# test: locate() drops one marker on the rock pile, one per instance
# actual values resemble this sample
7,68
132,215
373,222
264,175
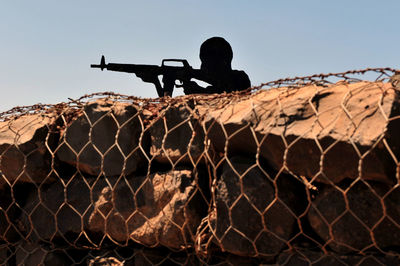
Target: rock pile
250,175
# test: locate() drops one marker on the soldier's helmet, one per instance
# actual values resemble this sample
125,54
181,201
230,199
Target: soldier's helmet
216,49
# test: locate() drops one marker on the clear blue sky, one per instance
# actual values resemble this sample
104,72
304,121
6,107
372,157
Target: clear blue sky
47,46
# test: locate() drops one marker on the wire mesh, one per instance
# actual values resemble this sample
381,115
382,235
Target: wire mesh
296,171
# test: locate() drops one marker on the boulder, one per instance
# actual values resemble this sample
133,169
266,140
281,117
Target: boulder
32,254
61,210
308,257
387,233
162,256
177,137
154,256
249,220
323,133
363,223
106,261
106,138
5,253
5,223
162,209
24,155
11,200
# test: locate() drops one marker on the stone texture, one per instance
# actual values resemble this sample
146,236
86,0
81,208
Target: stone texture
5,224
106,138
248,221
33,254
177,137
11,201
163,209
24,156
349,229
109,261
387,233
5,253
157,256
332,125
307,257
61,209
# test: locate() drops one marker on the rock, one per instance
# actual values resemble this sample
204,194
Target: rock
32,254
395,80
349,229
162,256
111,256
109,261
11,200
177,137
248,220
5,224
158,256
5,254
307,257
162,209
387,233
24,156
61,210
154,256
106,138
340,127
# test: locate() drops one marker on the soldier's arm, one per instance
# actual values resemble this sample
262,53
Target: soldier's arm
191,87
238,81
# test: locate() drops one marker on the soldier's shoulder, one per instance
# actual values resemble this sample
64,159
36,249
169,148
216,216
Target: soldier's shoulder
241,78
239,72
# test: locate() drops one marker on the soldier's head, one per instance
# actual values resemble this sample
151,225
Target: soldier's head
216,55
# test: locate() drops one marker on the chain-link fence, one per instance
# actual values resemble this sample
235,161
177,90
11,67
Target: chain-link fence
301,171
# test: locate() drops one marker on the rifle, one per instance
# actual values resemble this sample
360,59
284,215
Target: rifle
150,73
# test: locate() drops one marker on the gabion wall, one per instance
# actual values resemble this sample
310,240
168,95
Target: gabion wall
301,171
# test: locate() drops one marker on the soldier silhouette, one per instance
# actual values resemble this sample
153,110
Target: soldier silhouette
216,57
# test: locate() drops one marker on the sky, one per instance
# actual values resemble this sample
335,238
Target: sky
47,46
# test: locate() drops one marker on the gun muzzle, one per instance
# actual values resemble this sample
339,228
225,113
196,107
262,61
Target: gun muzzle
102,64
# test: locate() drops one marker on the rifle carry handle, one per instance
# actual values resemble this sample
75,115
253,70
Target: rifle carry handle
185,65
183,61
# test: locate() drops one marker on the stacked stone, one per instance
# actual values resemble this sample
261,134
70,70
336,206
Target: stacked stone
251,176
87,180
